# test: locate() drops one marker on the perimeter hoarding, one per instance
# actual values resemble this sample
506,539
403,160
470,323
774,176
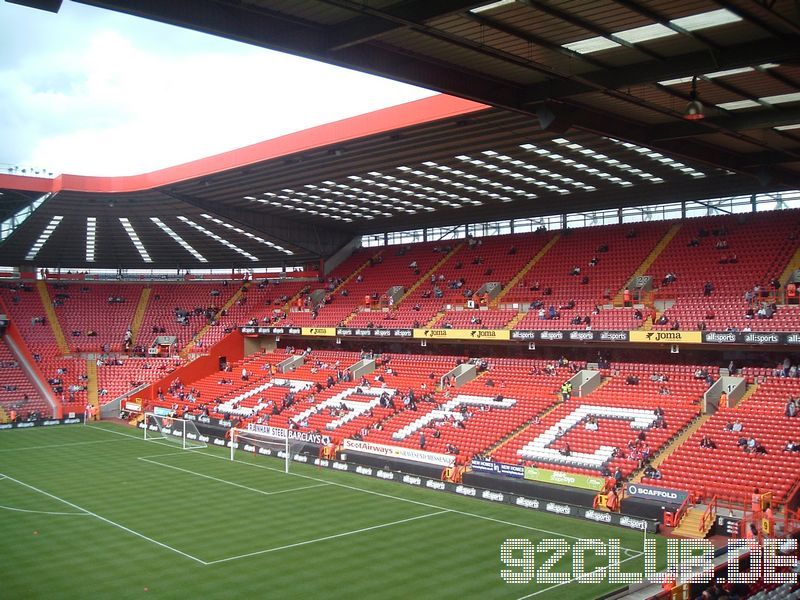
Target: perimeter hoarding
585,482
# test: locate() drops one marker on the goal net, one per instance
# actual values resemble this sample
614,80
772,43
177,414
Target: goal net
173,430
286,445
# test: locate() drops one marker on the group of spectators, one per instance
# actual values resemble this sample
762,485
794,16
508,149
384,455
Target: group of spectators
786,369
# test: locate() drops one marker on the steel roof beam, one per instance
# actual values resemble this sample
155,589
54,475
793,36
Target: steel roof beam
376,22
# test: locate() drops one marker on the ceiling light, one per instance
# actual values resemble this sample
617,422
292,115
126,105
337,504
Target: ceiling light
91,231
653,31
137,243
781,98
174,236
737,104
694,110
491,6
219,239
44,236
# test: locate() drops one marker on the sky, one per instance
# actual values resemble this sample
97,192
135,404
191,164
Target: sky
90,91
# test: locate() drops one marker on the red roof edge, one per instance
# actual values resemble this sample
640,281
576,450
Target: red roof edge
409,114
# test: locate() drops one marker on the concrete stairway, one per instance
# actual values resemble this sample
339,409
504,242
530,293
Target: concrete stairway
138,315
231,301
660,456
513,322
752,388
510,436
690,525
528,266
427,276
92,386
52,319
355,273
650,258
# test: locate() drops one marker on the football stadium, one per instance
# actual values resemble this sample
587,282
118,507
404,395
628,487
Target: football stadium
535,336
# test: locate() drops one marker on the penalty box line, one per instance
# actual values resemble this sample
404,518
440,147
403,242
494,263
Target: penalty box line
108,521
573,580
265,493
632,552
225,481
327,537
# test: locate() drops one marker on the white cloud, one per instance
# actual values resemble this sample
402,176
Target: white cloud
115,100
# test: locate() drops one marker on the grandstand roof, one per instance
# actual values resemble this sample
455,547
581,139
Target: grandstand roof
602,84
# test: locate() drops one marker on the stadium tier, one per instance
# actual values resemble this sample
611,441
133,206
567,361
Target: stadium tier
94,316
589,264
727,464
182,310
17,393
121,374
505,410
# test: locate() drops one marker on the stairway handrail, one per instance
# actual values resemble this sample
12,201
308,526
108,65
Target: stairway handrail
709,513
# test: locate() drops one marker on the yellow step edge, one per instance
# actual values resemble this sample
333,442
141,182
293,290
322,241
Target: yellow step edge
689,525
185,352
355,273
138,315
524,271
52,318
659,458
650,259
522,428
515,320
427,275
92,386
435,318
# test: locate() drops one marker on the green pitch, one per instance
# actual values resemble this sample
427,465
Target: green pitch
91,512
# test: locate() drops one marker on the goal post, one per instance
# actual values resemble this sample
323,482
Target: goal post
176,431
276,443
284,444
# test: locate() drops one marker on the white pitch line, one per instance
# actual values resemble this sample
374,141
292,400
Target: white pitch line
138,437
547,589
105,520
164,454
327,537
43,512
401,499
58,445
234,484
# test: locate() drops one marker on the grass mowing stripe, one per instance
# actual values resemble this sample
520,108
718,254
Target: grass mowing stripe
327,537
48,446
109,521
231,483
